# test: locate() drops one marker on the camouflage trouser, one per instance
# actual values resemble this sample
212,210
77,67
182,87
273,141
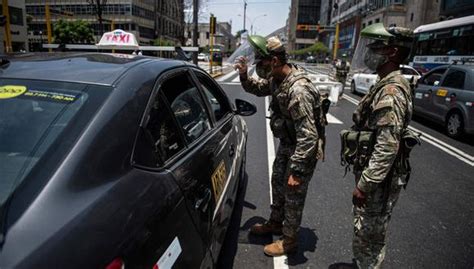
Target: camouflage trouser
288,203
370,227
342,79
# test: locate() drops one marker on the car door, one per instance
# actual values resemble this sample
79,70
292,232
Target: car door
425,91
227,148
451,88
171,237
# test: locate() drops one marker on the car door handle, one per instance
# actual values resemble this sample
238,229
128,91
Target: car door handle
203,202
232,150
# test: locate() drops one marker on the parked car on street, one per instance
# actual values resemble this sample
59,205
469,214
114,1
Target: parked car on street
363,82
115,161
446,95
202,57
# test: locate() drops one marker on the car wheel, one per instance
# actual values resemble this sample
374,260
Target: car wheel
454,124
353,87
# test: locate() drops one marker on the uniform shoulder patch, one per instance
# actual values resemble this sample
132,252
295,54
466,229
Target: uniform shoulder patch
391,90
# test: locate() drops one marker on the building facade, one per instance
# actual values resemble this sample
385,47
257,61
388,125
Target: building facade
18,27
148,20
223,39
354,15
455,8
303,24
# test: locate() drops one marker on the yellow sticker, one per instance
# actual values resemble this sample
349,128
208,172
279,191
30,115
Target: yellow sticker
11,91
442,92
218,180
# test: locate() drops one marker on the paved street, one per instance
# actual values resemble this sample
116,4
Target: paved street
432,226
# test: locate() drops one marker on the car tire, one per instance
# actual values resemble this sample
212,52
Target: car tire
353,87
454,124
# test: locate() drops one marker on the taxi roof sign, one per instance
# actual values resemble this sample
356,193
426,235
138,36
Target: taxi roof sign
118,39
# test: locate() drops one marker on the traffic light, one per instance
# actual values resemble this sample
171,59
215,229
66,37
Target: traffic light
3,20
212,25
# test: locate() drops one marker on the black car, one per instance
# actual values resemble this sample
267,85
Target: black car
115,161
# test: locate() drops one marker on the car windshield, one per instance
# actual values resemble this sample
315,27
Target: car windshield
34,114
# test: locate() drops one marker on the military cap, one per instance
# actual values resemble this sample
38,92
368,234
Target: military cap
391,36
266,48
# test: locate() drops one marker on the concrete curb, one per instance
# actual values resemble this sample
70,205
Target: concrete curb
218,74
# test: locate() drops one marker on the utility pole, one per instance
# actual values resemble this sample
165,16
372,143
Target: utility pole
195,30
245,12
48,25
336,36
8,34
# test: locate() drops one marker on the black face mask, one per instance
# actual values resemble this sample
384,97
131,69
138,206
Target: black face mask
264,70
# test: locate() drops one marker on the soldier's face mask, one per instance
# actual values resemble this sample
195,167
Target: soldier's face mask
264,69
367,57
374,60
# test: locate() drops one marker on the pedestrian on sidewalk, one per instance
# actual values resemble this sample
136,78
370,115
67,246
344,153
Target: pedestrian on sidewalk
298,120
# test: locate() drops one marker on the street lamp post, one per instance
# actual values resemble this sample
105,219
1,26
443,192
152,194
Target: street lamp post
251,24
252,20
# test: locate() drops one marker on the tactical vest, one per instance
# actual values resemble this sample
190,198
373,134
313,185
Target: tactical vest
282,124
358,143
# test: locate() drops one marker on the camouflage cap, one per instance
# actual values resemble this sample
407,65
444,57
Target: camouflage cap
274,45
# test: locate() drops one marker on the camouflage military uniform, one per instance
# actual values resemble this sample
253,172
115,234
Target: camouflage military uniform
342,68
297,99
389,114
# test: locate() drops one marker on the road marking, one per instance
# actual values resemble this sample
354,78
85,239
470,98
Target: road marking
278,262
332,119
227,76
455,152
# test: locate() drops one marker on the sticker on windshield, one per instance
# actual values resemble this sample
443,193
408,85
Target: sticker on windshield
218,180
51,96
11,91
442,92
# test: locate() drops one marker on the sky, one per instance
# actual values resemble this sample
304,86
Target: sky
276,12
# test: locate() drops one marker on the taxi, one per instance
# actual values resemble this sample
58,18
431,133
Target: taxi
115,161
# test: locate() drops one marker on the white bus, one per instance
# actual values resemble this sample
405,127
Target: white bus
442,43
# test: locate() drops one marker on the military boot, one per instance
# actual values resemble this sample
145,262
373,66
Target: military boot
268,227
281,247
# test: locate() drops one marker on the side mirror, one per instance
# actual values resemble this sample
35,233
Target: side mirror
245,108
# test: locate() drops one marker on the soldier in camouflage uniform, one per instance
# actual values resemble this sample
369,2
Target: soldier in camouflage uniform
342,69
295,101
386,110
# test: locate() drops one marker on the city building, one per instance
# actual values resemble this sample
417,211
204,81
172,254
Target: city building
223,39
303,23
149,20
325,20
354,15
18,27
455,8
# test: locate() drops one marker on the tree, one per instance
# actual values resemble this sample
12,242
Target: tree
317,47
98,6
71,32
188,15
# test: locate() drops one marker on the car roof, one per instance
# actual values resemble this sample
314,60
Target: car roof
91,68
467,67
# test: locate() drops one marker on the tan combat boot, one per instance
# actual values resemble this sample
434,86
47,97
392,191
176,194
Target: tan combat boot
268,227
281,247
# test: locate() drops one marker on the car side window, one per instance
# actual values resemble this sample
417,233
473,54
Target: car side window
454,79
218,101
187,106
434,76
408,71
159,139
